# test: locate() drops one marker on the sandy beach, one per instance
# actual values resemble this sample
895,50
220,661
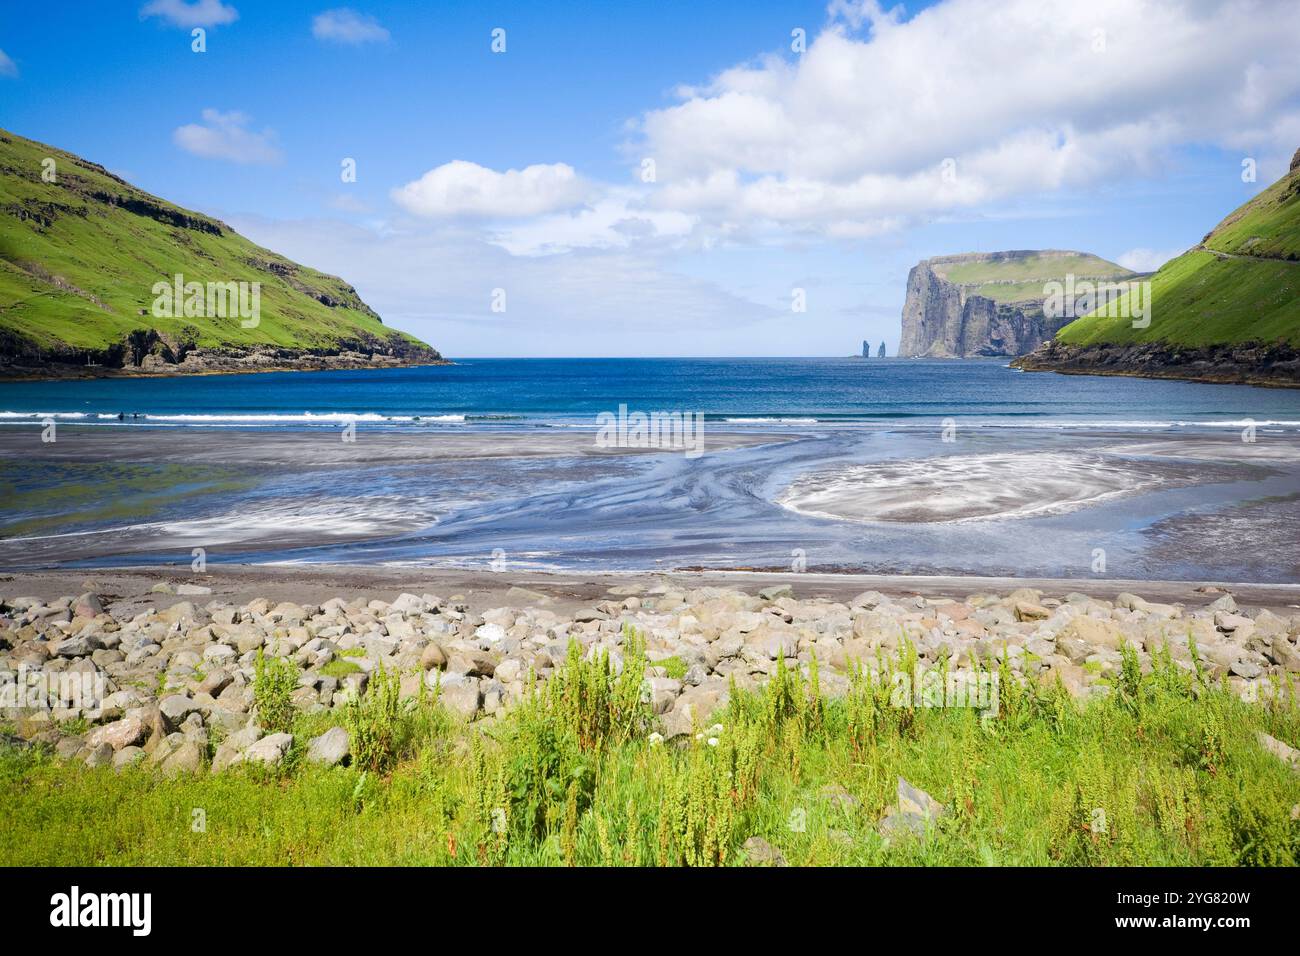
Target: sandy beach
1091,504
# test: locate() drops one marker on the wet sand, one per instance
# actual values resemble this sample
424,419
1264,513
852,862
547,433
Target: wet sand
999,502
320,447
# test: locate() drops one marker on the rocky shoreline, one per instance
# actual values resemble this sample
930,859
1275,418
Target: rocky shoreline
1276,366
166,677
164,362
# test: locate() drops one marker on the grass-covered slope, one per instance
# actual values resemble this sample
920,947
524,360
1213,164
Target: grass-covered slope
1240,285
1019,276
79,257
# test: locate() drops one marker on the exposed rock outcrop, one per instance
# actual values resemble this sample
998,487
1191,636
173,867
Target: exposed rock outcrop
1276,365
985,304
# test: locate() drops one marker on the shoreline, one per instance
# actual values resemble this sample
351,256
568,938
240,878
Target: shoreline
1263,366
311,582
76,373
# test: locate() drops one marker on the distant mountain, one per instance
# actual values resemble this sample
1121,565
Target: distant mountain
1227,310
89,269
989,303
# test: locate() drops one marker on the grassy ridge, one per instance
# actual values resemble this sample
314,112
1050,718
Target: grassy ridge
1020,278
1240,285
79,258
1165,769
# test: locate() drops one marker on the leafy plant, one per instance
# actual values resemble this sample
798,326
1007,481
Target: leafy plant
274,681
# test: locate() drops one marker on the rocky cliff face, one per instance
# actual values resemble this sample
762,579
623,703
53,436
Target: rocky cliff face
987,304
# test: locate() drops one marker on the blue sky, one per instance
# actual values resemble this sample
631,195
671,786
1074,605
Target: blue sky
775,169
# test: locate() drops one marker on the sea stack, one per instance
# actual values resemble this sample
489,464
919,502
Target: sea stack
866,349
881,353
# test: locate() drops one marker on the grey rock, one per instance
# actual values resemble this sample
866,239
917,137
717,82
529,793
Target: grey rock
83,645
268,751
127,757
330,748
184,758
462,698
915,812
758,852
100,756
176,708
1283,752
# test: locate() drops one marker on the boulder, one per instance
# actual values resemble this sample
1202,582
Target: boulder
268,751
330,748
127,732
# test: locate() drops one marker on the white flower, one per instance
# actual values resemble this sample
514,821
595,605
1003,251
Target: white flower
713,741
715,729
699,736
656,739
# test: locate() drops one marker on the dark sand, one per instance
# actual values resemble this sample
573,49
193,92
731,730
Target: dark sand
485,589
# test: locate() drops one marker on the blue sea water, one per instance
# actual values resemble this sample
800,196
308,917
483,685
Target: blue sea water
883,466
574,391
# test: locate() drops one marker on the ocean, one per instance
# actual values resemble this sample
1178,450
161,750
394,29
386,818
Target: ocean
573,391
818,464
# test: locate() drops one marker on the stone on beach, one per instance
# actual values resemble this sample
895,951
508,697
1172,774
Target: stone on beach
175,681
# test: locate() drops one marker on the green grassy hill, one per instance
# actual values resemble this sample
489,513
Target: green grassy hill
79,258
1019,276
1239,286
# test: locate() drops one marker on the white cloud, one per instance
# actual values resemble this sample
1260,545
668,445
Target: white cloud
464,189
852,136
616,220
198,13
1147,260
437,282
345,25
227,136
7,66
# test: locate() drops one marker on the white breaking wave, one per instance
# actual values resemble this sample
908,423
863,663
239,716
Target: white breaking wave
269,418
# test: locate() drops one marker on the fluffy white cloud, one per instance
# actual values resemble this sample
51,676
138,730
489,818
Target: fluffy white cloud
884,120
345,25
617,220
198,13
464,189
227,136
7,66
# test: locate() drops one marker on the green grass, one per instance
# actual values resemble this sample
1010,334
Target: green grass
339,668
1251,294
1021,278
1167,762
79,258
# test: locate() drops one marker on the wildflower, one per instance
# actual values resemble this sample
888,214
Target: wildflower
699,736
713,741
656,739
715,729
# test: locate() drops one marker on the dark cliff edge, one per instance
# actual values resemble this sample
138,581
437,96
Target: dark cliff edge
1275,366
987,305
